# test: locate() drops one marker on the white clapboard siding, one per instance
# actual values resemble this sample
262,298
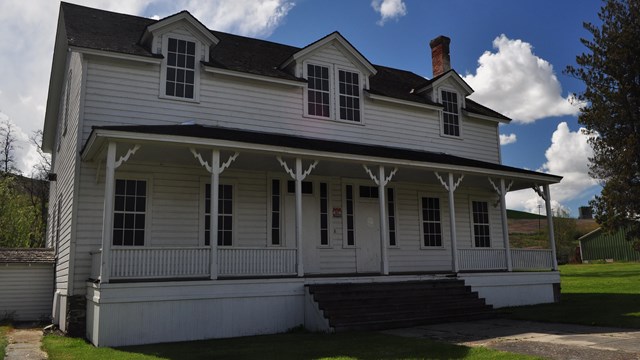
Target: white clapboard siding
121,93
64,160
26,291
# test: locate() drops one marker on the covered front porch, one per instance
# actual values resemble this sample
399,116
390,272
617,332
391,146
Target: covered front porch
297,208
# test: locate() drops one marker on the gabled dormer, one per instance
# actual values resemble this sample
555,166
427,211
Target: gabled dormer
446,88
184,42
336,74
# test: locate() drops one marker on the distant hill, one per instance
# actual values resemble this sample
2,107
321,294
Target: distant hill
521,215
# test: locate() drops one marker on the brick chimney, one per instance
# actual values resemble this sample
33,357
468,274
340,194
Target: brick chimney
440,59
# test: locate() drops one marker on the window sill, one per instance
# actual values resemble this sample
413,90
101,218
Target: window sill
451,137
360,123
195,100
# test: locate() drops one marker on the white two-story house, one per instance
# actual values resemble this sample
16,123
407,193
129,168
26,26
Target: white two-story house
205,181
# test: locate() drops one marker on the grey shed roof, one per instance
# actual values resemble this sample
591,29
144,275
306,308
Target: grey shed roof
26,256
108,31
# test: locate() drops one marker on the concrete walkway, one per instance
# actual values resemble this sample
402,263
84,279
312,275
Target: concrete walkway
24,343
548,340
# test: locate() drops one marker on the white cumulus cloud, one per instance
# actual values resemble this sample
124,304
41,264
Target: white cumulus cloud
27,31
508,139
519,84
389,9
568,156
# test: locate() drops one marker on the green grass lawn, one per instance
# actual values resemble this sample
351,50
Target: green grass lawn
4,330
592,294
357,345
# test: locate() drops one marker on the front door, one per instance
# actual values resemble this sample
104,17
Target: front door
368,236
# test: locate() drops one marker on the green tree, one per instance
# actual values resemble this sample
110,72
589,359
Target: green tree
17,228
610,70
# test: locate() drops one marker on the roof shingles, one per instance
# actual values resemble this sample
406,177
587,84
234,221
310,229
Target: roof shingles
26,256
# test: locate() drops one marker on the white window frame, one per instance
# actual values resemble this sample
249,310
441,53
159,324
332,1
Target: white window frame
283,190
234,208
421,219
163,68
441,112
395,218
345,223
329,215
148,240
473,235
334,93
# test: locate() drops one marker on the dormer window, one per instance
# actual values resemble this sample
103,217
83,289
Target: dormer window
318,90
180,71
333,93
349,87
450,113
181,60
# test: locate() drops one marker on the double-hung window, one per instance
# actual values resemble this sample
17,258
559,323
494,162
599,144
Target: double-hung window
180,72
225,215
450,113
129,215
481,235
333,93
318,93
431,227
349,95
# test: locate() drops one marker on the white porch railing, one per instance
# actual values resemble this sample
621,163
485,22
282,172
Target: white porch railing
159,262
482,259
245,261
532,259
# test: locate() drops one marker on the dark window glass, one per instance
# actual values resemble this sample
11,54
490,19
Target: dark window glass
350,222
318,90
450,115
324,214
370,192
391,214
481,234
129,212
180,72
307,187
225,215
431,229
349,94
275,212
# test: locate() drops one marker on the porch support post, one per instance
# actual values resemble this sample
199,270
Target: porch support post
384,261
552,239
298,180
298,175
452,220
213,237
107,216
505,224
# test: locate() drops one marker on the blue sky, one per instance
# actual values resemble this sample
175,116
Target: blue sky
526,45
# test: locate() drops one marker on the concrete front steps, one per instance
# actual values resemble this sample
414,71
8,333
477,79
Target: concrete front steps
376,306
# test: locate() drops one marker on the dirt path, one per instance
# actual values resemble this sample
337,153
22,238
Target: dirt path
24,343
548,340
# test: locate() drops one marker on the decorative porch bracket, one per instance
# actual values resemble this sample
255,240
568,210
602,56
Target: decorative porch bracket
107,217
215,169
123,159
502,192
545,194
451,186
381,180
298,176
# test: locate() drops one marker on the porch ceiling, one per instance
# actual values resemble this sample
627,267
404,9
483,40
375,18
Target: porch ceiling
261,156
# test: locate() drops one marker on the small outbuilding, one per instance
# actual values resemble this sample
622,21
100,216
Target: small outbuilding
26,284
600,245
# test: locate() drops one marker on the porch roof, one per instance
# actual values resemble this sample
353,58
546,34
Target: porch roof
227,138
